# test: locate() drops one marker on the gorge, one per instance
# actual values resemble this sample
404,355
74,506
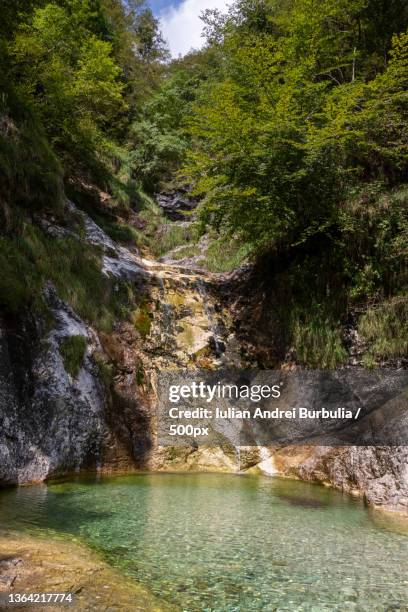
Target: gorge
221,235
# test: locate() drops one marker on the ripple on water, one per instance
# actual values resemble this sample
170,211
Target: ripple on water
228,543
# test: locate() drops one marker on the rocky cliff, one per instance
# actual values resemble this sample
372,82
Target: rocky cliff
56,420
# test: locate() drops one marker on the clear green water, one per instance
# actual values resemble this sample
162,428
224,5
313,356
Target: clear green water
227,543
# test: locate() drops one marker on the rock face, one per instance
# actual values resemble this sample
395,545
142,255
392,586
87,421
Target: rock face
50,422
175,203
53,422
379,474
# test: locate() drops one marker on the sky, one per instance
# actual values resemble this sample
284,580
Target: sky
180,22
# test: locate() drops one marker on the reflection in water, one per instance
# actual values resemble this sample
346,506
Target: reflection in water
225,542
23,505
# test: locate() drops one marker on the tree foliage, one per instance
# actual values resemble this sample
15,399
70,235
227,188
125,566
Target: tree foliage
298,147
69,75
83,68
305,105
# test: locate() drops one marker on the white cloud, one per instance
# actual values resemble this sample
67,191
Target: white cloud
181,25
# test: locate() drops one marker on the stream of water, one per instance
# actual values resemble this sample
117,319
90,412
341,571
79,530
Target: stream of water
225,543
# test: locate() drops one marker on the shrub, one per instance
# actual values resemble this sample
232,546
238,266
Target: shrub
30,174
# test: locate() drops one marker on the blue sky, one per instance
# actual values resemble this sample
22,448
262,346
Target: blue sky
158,5
180,22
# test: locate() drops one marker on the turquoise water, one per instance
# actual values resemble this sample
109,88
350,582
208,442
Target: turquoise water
227,543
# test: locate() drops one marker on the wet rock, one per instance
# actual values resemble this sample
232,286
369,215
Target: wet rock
51,422
93,233
55,230
123,268
9,562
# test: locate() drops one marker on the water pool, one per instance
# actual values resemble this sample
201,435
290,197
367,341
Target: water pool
224,543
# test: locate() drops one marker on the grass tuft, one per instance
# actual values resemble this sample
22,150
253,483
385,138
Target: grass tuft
74,268
317,343
106,370
186,252
170,236
142,321
225,255
385,327
72,350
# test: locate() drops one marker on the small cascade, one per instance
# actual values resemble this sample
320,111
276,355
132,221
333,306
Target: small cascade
267,464
162,333
238,454
209,312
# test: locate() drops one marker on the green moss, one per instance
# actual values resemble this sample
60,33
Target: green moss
72,350
140,377
106,370
175,298
142,321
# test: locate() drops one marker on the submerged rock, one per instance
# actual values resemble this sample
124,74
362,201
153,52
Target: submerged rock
32,565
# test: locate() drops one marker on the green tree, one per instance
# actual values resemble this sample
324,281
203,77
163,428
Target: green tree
293,116
69,75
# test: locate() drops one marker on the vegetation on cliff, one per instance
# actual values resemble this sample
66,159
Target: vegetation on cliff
74,76
290,126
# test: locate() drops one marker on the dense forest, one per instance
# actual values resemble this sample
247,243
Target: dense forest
289,127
